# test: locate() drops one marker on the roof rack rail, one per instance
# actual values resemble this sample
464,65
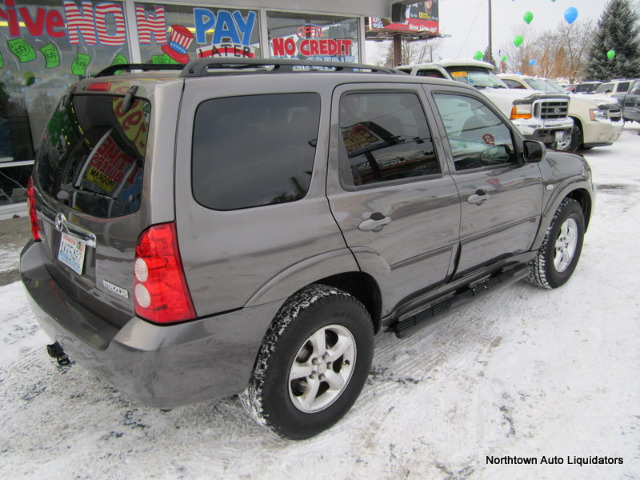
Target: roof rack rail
145,67
202,67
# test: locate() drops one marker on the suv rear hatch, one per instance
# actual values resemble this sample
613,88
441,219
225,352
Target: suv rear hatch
88,183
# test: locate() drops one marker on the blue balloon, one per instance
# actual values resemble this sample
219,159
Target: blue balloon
532,62
571,14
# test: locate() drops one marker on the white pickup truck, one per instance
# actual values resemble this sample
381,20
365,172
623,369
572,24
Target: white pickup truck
539,116
597,119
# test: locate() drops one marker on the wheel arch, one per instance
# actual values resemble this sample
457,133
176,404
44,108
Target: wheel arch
583,197
578,122
363,287
336,269
580,195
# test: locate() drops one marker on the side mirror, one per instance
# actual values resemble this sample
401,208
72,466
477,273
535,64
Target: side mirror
534,151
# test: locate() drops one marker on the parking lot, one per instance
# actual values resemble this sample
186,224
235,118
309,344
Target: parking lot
520,374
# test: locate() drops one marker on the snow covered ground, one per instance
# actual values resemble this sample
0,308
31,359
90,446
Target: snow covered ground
521,374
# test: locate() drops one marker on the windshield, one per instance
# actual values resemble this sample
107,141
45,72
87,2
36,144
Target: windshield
538,84
476,77
553,86
545,85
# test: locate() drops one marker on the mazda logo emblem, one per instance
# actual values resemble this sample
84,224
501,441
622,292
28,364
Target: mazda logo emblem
60,221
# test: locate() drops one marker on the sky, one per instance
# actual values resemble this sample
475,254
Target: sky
465,23
469,31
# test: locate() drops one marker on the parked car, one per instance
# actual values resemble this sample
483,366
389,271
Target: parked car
614,87
585,87
538,115
630,102
246,226
597,120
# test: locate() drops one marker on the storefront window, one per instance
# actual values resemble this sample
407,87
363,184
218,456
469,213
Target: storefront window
178,34
48,45
312,37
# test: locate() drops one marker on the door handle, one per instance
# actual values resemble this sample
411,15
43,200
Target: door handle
374,223
478,198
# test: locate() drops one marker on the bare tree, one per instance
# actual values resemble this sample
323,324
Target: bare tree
559,53
416,51
576,40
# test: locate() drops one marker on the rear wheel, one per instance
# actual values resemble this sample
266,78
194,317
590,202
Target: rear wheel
312,364
558,256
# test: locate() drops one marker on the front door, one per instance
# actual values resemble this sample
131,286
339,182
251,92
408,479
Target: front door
501,197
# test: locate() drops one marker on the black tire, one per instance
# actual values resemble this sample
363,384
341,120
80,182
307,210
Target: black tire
328,379
558,256
573,143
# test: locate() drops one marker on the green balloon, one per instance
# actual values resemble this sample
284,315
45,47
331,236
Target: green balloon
528,16
503,58
478,55
517,40
611,54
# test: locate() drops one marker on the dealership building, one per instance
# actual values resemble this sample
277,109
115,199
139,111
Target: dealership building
46,45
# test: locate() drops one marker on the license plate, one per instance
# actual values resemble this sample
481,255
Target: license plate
559,136
71,253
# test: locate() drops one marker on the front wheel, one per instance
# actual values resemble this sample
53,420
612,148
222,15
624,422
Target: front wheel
312,364
558,256
572,142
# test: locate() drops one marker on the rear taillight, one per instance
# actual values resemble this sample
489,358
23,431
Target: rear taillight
33,216
160,290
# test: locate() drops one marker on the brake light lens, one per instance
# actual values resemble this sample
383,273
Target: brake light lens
99,87
33,216
160,289
521,111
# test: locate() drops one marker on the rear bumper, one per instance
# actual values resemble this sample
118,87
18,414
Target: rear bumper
161,366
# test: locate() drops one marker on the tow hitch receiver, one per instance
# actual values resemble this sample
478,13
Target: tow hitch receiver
55,350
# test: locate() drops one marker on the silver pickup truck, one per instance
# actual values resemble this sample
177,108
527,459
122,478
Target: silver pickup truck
538,115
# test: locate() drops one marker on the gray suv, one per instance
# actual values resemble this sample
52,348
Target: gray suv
247,226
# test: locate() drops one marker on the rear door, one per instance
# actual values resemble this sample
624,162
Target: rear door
391,194
88,174
501,197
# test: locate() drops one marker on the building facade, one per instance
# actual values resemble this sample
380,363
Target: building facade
46,45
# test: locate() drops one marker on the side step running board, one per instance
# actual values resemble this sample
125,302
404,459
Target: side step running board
428,316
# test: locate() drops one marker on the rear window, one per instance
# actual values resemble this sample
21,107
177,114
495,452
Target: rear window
91,155
254,150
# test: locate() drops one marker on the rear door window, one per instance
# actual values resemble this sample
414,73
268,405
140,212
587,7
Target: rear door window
605,88
92,154
623,87
430,73
254,150
385,137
